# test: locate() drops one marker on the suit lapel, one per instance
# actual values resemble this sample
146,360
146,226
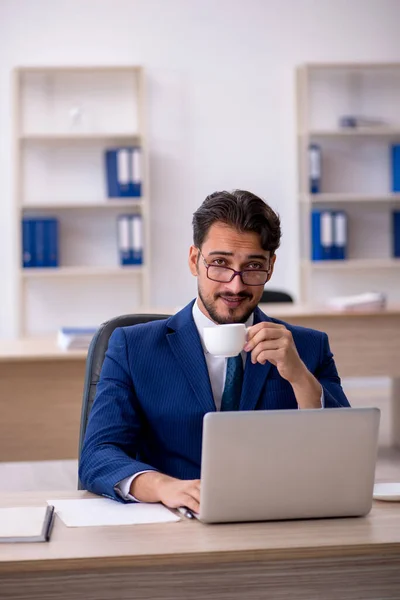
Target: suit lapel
185,343
253,382
254,375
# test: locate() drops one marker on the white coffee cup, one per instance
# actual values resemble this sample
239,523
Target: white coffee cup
225,340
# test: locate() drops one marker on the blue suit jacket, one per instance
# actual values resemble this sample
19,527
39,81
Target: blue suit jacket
154,391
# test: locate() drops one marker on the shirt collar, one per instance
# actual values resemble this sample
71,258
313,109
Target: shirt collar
201,321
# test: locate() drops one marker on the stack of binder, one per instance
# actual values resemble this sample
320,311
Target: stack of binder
315,165
396,233
396,189
365,301
124,172
328,235
396,168
40,242
130,239
75,338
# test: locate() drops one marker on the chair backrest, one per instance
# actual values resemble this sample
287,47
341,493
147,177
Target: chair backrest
275,296
94,362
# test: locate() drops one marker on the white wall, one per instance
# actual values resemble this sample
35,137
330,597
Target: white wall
221,101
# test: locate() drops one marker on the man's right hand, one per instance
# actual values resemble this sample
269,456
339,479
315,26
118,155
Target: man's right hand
156,487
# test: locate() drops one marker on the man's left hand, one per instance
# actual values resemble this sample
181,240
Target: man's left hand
274,343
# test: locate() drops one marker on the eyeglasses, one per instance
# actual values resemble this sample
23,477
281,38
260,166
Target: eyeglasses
226,274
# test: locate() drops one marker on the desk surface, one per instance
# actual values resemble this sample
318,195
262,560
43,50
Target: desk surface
45,348
287,309
189,541
36,349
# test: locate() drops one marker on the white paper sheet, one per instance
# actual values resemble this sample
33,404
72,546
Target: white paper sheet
101,511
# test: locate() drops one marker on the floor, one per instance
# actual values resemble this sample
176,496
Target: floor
62,475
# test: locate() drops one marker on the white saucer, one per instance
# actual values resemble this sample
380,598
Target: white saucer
387,491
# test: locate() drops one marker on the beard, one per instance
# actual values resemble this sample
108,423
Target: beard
234,314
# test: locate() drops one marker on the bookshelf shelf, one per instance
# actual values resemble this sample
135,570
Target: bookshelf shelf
108,204
350,198
376,132
79,137
356,176
58,272
65,120
349,67
81,69
353,264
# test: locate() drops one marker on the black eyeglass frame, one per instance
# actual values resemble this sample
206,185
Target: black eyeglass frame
234,273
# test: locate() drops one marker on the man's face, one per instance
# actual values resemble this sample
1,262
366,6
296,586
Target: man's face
231,302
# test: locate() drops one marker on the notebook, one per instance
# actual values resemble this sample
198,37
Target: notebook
26,524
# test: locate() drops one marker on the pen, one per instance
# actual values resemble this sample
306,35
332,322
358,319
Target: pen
185,512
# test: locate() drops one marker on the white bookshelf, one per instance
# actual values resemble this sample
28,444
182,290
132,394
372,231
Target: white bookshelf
65,119
356,174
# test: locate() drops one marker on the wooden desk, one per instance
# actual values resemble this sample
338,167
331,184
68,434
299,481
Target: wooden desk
41,386
40,400
307,560
364,344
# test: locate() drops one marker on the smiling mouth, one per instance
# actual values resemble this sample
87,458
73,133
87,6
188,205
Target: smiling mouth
233,301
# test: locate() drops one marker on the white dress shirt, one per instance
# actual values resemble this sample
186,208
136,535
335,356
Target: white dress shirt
216,366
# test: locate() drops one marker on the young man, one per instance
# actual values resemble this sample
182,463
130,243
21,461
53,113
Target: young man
143,439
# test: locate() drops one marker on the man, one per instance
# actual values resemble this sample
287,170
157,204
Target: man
143,440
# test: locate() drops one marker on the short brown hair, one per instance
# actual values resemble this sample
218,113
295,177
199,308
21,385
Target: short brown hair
241,210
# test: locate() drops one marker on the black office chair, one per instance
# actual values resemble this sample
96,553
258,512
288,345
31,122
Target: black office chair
275,296
94,362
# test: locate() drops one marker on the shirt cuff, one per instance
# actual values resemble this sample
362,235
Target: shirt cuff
122,487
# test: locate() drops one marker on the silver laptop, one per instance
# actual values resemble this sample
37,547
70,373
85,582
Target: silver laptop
288,464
